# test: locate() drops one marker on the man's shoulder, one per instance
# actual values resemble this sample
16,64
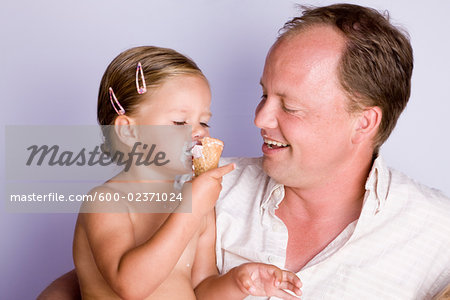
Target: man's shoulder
413,188
245,181
420,215
429,200
247,168
242,162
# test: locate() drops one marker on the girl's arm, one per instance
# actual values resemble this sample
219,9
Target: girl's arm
255,279
205,277
136,271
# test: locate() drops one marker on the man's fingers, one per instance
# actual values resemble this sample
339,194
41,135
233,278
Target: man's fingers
219,172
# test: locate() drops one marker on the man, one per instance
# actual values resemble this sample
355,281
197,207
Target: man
321,202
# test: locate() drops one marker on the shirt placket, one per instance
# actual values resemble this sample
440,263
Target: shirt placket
275,230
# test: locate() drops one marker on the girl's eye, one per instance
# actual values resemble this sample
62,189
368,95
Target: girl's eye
179,123
204,125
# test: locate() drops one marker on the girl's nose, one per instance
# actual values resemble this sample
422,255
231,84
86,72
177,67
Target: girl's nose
199,132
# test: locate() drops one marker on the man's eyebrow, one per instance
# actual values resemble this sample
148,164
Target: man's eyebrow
281,95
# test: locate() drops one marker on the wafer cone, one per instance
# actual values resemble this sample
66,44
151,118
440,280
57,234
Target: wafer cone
444,295
212,149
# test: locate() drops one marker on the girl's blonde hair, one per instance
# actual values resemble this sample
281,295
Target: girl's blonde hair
158,64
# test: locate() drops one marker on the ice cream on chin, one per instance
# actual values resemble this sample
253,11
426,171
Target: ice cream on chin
206,156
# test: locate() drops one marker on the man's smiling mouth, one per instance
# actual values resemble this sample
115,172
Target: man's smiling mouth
271,144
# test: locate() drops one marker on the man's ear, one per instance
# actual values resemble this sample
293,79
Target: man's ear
367,123
126,130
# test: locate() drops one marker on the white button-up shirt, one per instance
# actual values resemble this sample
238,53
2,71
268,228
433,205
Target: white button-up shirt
399,248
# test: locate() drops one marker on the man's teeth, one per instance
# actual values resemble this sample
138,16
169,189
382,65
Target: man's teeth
273,143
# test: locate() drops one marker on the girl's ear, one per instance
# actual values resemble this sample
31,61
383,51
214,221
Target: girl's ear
367,123
126,130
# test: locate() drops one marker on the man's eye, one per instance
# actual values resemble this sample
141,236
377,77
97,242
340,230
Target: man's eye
288,110
204,124
179,123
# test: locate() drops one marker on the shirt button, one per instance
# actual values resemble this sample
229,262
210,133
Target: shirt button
277,192
270,258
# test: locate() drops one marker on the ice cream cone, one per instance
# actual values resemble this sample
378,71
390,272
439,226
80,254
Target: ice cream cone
208,157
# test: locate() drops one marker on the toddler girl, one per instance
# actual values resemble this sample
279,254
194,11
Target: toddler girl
162,254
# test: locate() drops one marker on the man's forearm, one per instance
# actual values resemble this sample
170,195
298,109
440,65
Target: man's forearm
65,287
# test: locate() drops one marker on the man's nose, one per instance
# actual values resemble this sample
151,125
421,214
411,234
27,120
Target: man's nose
266,114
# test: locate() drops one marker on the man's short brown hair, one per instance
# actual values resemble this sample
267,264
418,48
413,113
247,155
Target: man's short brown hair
377,63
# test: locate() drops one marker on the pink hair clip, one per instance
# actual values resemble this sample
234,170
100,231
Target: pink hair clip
140,71
112,96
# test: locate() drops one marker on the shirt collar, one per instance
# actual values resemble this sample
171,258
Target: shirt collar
378,182
273,194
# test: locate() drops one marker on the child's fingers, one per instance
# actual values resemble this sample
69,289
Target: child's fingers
285,285
277,274
285,295
219,172
284,276
292,278
291,282
246,282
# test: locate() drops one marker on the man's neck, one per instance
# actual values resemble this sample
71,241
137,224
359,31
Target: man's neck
339,197
316,216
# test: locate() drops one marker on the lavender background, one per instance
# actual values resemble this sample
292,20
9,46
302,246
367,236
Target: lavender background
53,54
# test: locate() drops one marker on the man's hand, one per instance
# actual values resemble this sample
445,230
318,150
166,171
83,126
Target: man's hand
259,279
64,287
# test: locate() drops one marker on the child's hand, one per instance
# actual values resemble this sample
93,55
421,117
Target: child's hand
206,188
258,279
